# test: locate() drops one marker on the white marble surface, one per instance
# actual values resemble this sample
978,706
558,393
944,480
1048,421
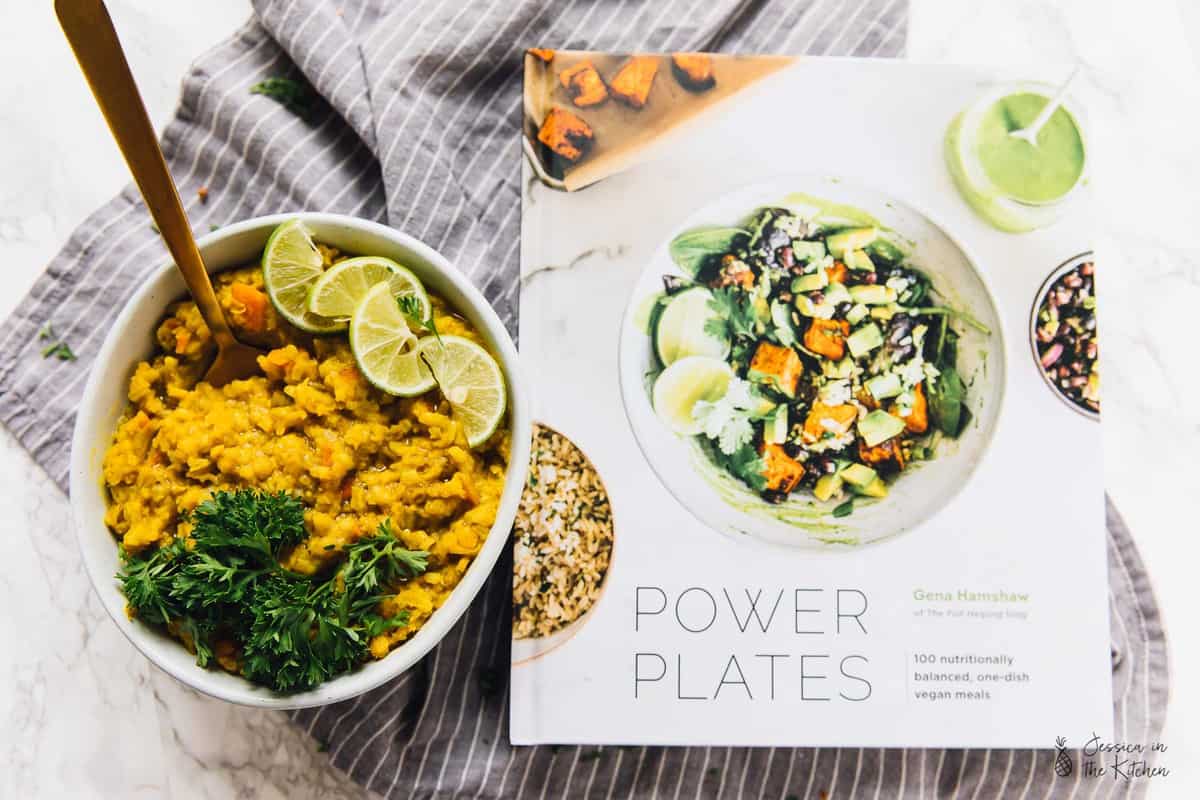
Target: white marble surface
88,717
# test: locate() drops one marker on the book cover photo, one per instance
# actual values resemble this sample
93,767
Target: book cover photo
818,456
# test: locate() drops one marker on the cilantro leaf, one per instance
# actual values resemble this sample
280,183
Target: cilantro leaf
736,313
727,420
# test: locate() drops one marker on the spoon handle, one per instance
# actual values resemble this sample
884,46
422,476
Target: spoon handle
90,32
1048,110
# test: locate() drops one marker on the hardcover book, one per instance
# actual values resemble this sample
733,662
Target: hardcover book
818,459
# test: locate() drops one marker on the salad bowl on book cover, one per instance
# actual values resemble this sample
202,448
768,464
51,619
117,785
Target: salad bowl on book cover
813,363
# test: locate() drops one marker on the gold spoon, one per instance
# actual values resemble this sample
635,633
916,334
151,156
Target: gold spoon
90,32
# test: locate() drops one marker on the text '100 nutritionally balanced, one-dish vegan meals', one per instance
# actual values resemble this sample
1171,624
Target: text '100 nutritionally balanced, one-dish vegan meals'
291,526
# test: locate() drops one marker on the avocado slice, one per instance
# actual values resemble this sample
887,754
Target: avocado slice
879,426
857,313
810,283
850,239
807,251
872,294
837,293
775,426
858,475
808,308
884,386
864,340
876,488
827,486
859,261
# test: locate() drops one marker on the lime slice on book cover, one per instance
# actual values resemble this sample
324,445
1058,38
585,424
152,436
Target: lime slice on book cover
384,345
291,263
471,380
685,383
337,292
683,328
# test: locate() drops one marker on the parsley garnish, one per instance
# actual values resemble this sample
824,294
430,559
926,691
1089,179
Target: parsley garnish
292,94
57,347
225,582
410,307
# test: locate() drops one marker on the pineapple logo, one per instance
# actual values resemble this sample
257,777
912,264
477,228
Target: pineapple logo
1062,762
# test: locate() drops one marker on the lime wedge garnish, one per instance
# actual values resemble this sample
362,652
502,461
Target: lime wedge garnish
470,380
685,383
385,346
342,287
291,263
683,329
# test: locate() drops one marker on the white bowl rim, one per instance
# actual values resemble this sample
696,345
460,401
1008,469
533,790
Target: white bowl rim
355,683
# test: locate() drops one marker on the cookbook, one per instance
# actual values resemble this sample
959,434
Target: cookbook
818,459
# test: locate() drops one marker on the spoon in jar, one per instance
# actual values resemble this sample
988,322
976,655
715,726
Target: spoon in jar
90,32
1030,132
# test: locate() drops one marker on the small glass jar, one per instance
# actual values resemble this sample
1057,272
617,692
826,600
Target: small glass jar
1001,208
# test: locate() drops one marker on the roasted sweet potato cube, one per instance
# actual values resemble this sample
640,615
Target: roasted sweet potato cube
734,272
694,71
778,366
886,454
566,134
584,84
631,85
827,337
917,420
833,420
837,273
543,54
782,472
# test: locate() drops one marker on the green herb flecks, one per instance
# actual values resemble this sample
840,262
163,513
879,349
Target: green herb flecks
292,94
736,318
225,582
57,347
410,307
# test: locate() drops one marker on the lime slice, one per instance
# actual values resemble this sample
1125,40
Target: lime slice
385,347
290,263
342,287
685,383
470,380
682,328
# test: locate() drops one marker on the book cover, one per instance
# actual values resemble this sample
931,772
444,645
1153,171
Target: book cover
818,460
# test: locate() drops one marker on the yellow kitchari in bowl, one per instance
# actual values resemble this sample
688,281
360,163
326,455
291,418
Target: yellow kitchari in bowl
295,524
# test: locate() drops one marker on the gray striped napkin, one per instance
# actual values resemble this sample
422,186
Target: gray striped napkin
416,124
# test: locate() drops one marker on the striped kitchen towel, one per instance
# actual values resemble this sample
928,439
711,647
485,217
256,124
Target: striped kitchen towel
414,121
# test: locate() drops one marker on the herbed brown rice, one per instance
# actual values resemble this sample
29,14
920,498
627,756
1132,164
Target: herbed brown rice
563,538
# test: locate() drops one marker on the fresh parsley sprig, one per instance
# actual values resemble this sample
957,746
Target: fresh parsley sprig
410,307
292,94
225,582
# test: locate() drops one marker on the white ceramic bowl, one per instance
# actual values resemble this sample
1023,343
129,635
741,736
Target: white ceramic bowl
131,340
724,503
